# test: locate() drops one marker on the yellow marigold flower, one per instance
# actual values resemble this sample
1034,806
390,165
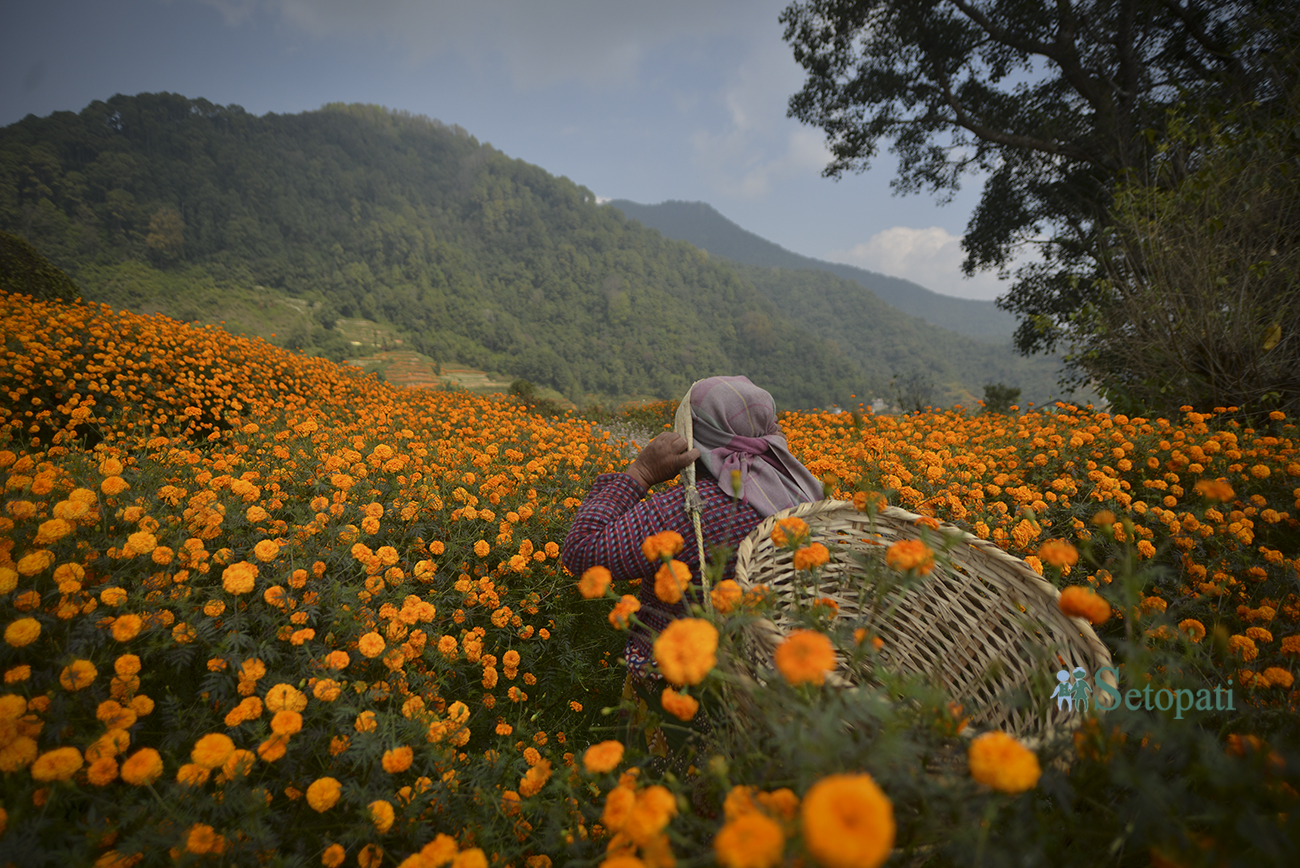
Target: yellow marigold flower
212,750
283,697
286,722
671,580
811,556
602,757
620,615
805,656
398,759
266,551
323,794
594,583
1243,646
1000,761
789,531
1193,628
381,814
35,562
77,674
1078,601
1058,553
371,645
333,856
481,548
848,822
365,722
57,765
327,690
686,650
52,531
662,545
238,578
126,627
142,767
750,841
726,596
679,705
22,632
910,554
114,485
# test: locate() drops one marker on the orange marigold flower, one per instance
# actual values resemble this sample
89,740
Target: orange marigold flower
22,632
686,650
239,578
212,750
398,759
1058,553
1214,489
57,765
381,814
482,547
77,674
1243,646
286,722
1291,645
333,856
1193,628
1078,601
811,556
371,645
752,840
102,771
594,583
620,615
679,705
1000,761
1276,676
789,531
662,545
602,757
671,580
323,794
114,485
726,596
848,822
126,627
143,767
285,696
805,656
910,554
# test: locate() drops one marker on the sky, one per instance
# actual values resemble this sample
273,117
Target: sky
647,101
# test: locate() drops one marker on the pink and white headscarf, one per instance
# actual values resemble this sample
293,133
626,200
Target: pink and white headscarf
733,423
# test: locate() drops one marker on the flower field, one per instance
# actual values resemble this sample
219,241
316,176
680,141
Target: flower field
261,610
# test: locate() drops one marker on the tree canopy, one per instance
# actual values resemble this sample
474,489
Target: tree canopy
1051,103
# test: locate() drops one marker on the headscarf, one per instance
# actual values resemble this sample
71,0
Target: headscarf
733,423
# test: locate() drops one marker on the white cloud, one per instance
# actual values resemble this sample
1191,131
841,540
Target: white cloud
931,257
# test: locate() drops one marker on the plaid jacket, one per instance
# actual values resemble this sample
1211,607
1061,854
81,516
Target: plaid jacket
616,517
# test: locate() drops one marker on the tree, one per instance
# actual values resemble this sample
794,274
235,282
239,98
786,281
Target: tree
1199,303
1049,101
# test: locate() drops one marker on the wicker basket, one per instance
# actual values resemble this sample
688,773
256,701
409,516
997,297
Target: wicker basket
982,626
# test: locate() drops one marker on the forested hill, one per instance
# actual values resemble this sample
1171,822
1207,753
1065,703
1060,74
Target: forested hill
701,225
364,212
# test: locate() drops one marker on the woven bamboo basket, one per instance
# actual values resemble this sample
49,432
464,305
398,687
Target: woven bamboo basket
982,625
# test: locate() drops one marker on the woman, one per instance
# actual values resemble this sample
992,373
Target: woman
731,434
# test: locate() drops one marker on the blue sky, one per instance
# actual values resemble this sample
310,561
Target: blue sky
648,101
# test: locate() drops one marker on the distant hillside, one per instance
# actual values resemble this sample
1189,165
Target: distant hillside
701,225
159,202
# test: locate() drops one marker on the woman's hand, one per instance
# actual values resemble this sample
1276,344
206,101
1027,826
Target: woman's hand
662,459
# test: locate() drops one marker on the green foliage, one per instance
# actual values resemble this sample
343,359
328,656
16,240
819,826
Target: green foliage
400,219
25,271
999,398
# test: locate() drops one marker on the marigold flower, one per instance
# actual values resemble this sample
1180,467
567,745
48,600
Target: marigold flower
686,650
1058,553
285,696
143,767
337,660
114,485
35,562
112,596
653,808
327,690
398,759
201,838
126,627
77,674
333,856
1000,761
18,754
212,750
323,794
102,771
726,596
602,757
371,645
56,529
671,580
286,722
1278,677
679,705
750,841
662,545
1243,646
594,583
789,531
848,822
57,765
910,554
805,656
1078,601
381,814
22,632
811,556
239,578
482,547
620,615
